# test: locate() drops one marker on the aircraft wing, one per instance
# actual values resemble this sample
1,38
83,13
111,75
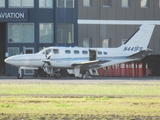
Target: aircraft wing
93,63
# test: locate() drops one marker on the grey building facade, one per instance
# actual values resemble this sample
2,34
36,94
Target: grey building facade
94,35
54,23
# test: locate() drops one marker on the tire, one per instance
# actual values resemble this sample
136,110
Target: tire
80,76
150,71
63,72
58,75
20,76
41,73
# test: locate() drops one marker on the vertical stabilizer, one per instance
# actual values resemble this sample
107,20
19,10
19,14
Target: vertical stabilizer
139,41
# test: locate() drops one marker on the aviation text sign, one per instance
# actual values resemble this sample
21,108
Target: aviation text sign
9,15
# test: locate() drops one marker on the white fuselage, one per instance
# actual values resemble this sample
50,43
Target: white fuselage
65,57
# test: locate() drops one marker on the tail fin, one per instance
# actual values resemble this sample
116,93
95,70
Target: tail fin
139,41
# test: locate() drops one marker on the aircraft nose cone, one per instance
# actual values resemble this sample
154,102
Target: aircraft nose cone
8,61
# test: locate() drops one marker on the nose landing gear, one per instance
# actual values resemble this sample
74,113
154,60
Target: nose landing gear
20,75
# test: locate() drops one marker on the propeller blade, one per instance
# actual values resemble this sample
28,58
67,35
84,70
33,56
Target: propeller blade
47,61
49,55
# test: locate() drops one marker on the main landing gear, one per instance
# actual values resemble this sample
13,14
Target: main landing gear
83,74
42,72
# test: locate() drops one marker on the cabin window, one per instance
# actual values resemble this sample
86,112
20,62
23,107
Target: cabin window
56,51
105,53
21,3
2,3
99,53
67,51
45,3
76,52
84,52
46,32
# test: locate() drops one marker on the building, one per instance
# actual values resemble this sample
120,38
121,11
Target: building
26,26
94,35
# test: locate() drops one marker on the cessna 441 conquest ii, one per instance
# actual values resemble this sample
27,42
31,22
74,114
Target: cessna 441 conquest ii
79,61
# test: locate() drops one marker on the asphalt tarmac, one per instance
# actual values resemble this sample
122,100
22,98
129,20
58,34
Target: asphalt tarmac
73,80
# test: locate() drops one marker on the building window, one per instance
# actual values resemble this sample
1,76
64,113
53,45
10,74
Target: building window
106,3
87,42
65,3
144,3
13,51
125,3
28,50
87,3
2,3
65,33
21,33
21,3
45,3
123,41
46,32
106,43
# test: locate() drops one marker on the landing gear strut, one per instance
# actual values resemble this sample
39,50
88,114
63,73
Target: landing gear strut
20,75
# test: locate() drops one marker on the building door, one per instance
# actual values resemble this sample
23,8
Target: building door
28,50
2,46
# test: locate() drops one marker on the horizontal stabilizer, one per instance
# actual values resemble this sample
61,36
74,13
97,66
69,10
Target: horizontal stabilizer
141,54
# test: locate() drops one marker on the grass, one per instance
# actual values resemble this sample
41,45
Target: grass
128,89
33,108
97,107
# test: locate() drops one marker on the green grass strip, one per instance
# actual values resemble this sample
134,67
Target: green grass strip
130,89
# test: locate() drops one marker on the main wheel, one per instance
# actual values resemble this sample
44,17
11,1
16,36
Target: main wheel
19,76
58,75
42,73
80,76
63,72
150,71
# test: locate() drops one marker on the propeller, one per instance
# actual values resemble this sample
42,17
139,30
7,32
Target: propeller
48,57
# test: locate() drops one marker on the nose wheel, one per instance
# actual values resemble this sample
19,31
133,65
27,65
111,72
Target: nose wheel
20,75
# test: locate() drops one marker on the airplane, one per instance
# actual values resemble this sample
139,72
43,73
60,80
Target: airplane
79,60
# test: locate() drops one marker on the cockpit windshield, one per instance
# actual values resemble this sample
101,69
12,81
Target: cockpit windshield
49,50
56,51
